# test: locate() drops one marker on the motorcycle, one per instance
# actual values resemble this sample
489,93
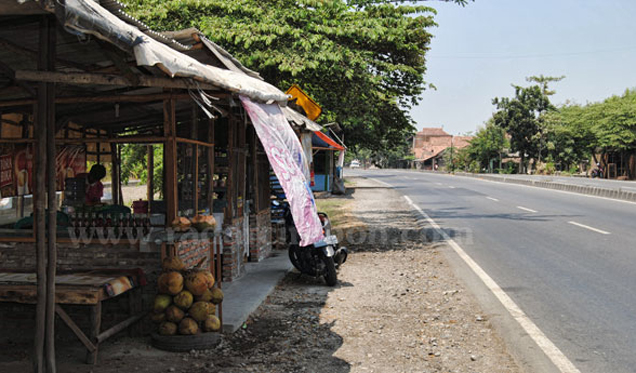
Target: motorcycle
323,258
597,172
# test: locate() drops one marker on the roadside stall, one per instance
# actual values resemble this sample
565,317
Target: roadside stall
77,81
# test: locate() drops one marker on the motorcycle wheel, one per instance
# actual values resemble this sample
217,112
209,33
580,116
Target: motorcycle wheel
331,278
293,257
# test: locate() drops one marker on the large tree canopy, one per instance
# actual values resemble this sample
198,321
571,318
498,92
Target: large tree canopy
362,61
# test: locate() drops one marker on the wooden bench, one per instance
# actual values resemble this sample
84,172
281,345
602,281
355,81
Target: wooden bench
81,288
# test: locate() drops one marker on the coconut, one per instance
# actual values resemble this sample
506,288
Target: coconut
183,300
158,317
200,310
172,263
197,282
211,324
188,326
203,222
174,314
168,328
170,283
217,296
205,297
162,302
181,224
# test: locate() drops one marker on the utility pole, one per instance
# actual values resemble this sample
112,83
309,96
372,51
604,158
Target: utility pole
452,166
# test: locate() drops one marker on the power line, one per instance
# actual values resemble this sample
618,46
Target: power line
521,56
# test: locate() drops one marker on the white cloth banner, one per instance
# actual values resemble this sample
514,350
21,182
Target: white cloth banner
287,159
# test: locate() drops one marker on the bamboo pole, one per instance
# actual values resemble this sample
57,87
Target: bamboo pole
39,195
151,174
52,200
170,159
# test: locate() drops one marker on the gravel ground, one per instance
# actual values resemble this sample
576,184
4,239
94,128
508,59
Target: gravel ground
397,308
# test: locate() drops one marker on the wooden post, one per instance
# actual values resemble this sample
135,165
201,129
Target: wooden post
96,325
120,194
170,160
151,174
114,170
211,168
44,357
195,180
195,161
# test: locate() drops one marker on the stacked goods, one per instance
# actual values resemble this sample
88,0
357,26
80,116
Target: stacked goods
187,300
199,222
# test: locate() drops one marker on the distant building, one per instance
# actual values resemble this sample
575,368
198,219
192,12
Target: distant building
430,143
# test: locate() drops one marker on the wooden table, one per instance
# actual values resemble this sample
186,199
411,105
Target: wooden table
81,288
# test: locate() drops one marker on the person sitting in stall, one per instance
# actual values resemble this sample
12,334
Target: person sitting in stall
95,188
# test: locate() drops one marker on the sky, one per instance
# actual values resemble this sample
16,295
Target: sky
479,50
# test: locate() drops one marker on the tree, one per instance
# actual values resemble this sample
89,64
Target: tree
363,61
569,135
487,145
521,117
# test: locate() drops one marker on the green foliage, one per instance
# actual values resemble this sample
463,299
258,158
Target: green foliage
521,116
613,121
569,136
485,148
134,165
362,61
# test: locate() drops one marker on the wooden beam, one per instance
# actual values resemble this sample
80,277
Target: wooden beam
76,330
105,79
17,141
7,45
195,160
118,328
115,140
51,153
150,186
194,142
39,208
115,163
103,99
96,326
170,160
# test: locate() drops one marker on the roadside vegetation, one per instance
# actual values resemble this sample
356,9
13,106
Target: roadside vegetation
528,133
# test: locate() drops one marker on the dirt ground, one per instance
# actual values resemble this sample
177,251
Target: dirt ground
397,308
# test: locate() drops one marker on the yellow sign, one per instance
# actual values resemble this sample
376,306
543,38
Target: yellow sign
312,110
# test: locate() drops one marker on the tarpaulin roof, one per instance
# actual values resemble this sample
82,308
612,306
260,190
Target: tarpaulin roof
323,141
300,120
88,17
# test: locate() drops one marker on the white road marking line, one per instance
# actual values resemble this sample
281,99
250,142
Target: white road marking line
526,209
382,182
546,345
588,227
439,183
452,187
493,199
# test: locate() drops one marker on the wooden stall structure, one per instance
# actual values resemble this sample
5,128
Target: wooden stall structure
78,74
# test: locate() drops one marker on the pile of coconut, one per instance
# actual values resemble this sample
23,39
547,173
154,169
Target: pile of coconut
187,300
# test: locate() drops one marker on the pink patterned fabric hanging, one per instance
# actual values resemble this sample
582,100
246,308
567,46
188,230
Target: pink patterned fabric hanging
286,156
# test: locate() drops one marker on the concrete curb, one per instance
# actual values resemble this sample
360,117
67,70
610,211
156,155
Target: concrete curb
245,295
581,189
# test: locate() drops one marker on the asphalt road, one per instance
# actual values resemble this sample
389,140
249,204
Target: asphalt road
568,260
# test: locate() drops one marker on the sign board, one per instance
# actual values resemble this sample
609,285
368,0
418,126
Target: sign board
312,109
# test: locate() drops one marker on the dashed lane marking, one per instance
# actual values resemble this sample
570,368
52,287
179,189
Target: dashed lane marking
526,209
588,227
